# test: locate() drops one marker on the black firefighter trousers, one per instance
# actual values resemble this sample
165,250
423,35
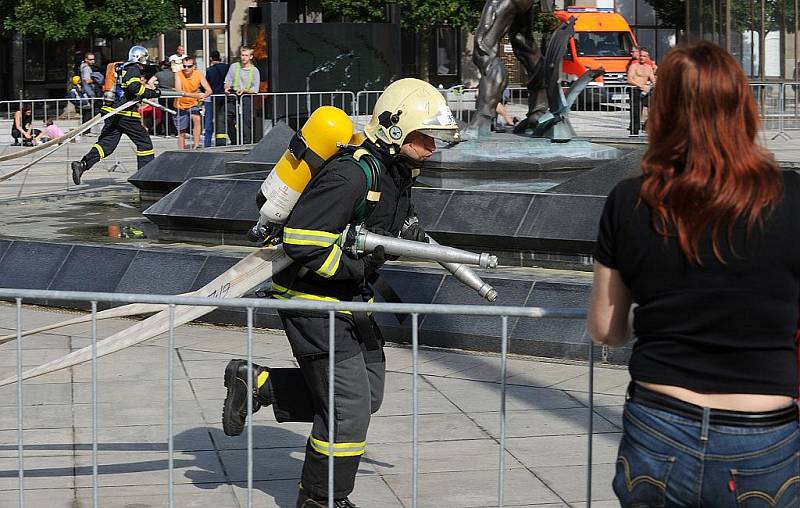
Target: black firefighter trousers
301,395
113,129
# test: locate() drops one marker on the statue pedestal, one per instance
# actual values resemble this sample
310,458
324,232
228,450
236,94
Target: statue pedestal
511,162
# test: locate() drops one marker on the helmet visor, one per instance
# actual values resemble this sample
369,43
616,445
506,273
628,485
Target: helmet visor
448,135
442,126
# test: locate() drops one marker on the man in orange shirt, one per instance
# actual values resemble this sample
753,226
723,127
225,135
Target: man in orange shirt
189,81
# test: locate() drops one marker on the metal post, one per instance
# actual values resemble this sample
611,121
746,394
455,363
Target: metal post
591,425
501,477
331,380
636,110
249,407
414,408
20,447
170,409
94,405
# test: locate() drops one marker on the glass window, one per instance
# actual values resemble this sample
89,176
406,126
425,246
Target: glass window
666,40
446,55
153,49
646,38
193,11
609,44
218,40
216,11
119,50
56,61
645,14
194,47
627,8
171,41
33,49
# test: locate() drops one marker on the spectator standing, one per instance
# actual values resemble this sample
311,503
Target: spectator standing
641,76
86,75
241,82
634,57
164,79
215,106
648,60
189,81
705,242
176,59
80,99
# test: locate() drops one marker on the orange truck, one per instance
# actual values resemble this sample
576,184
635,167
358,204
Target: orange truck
602,39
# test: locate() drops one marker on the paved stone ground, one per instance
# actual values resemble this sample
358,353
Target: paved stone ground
50,177
459,426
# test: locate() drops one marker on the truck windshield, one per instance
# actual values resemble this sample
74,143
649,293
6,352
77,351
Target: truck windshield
612,44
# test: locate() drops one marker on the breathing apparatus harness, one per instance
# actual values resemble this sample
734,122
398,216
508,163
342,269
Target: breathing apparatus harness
272,233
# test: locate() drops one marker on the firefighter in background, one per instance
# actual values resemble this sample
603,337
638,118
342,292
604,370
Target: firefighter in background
128,121
369,185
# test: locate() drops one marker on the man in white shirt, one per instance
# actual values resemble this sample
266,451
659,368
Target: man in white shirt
176,60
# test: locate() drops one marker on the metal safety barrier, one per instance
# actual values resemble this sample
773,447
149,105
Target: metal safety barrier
65,113
241,120
249,305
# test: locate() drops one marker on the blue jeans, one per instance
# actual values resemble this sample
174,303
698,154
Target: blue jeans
208,123
668,460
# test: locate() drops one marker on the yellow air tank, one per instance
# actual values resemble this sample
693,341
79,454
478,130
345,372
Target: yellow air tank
318,140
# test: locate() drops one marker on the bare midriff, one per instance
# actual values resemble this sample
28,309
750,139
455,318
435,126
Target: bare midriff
747,402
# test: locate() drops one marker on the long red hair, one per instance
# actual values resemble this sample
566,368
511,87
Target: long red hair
703,168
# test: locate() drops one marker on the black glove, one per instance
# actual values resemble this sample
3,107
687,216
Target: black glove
373,262
413,231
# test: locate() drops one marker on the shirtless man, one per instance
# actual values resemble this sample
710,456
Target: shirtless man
642,76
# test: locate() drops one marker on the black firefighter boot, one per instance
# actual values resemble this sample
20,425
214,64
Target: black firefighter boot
234,411
78,169
306,501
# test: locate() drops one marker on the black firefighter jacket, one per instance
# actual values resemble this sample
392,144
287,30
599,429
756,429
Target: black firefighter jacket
323,211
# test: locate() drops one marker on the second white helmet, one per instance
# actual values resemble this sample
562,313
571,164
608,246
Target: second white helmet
137,54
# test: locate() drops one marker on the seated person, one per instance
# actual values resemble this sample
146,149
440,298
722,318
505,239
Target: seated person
21,128
51,131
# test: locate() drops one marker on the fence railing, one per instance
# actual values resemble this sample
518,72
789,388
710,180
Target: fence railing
225,120
249,305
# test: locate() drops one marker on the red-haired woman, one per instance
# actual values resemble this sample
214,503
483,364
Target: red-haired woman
706,243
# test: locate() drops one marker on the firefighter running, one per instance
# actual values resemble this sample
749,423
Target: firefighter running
371,185
127,121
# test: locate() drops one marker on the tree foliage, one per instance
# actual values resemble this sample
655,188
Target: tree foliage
415,15
671,13
132,20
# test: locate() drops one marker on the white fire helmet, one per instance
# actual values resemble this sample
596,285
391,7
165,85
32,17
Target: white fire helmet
409,105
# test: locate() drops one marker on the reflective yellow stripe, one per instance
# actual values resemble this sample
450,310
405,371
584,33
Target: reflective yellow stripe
304,296
100,151
316,238
288,294
128,83
221,136
141,90
132,114
142,153
339,449
262,378
331,264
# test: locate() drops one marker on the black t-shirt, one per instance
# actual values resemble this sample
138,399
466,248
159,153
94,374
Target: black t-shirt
721,328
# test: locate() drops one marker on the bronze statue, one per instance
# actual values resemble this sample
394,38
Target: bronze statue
547,104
